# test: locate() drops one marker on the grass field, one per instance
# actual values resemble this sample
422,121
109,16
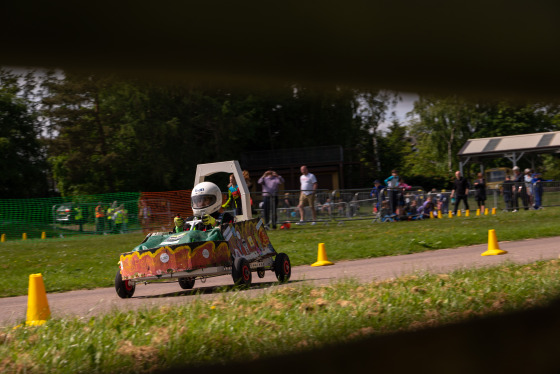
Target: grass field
91,261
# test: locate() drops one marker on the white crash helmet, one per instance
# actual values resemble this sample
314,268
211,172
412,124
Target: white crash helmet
206,198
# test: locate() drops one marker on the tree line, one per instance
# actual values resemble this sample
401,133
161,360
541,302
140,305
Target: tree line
73,133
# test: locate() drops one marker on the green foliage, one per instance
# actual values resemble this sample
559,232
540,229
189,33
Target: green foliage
22,166
442,125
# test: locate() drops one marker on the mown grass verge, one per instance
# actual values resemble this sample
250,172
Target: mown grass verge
91,261
237,328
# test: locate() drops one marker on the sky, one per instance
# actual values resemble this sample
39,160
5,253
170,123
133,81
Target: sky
401,109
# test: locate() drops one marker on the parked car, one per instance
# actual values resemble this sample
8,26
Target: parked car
65,213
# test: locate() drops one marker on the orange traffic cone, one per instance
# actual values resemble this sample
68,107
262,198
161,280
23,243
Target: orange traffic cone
38,310
493,247
322,257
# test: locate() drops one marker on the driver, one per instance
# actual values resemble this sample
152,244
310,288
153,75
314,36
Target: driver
206,202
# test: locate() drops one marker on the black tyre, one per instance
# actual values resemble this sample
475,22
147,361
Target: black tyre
241,272
261,272
125,289
186,283
282,267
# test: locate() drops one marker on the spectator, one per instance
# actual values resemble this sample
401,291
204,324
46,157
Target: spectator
270,182
538,190
99,218
443,202
386,213
234,196
507,191
460,191
480,191
124,217
411,210
392,186
528,178
111,216
309,185
144,212
519,190
427,207
327,206
377,193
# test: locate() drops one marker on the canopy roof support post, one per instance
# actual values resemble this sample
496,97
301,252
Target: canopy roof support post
513,157
462,164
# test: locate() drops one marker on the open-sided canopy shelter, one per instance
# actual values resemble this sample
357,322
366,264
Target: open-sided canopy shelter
511,147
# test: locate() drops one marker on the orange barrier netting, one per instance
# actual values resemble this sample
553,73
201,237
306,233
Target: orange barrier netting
157,209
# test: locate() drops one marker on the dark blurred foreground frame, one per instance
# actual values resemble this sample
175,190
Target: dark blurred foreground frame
479,47
483,48
521,342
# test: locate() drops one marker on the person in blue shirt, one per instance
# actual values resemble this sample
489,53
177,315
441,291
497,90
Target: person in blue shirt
537,182
393,183
234,196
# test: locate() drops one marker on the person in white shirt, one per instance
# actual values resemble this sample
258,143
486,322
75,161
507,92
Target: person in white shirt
307,196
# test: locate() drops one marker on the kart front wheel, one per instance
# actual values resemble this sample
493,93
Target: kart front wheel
241,272
186,283
282,267
125,288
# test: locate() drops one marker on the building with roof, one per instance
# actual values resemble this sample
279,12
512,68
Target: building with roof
511,147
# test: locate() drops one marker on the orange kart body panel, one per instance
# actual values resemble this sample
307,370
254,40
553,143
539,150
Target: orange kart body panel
246,239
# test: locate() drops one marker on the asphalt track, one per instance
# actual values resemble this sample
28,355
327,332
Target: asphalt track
87,303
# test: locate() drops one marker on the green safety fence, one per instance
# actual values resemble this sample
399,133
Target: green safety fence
63,216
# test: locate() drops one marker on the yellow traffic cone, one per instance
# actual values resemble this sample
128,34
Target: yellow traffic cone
43,235
431,214
322,257
493,211
486,211
38,310
467,213
458,213
3,239
24,236
493,247
439,214
478,212
450,214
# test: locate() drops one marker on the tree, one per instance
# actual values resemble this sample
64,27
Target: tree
22,164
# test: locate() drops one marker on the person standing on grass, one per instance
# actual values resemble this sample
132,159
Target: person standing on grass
309,185
538,190
519,190
460,191
270,182
393,183
507,191
480,191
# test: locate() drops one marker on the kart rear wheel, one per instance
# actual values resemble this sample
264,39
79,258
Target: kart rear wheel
282,267
186,283
125,288
241,272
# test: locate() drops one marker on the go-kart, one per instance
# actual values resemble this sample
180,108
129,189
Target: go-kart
239,249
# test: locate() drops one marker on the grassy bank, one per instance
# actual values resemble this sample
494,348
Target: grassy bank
289,319
91,261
